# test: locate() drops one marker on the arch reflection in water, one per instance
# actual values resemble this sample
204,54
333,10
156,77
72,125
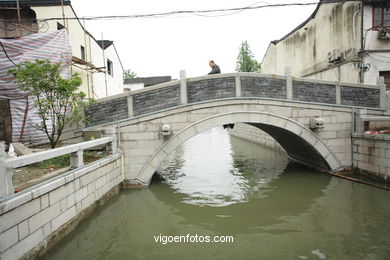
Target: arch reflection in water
215,169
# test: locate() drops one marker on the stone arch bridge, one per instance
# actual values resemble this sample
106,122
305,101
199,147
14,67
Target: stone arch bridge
281,106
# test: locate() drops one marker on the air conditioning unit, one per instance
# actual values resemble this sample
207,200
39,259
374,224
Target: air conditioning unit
384,34
335,56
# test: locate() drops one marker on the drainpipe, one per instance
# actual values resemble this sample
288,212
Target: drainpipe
104,64
353,130
20,25
361,75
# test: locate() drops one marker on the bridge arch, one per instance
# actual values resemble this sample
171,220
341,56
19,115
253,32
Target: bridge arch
300,143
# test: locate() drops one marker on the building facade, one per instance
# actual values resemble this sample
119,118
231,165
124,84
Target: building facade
97,61
345,41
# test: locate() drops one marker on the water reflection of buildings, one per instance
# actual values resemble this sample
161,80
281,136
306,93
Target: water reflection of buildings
296,213
216,170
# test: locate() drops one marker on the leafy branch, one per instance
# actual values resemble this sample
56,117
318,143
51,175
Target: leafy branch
56,98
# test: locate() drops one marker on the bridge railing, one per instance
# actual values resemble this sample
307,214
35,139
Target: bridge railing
362,120
8,166
234,85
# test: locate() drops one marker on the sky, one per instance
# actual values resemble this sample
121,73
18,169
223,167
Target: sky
163,46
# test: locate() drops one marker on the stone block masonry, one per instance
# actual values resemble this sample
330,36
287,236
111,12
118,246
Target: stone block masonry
211,89
371,155
363,97
35,219
107,111
263,87
314,92
242,85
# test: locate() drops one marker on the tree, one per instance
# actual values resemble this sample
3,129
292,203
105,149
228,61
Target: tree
129,74
245,60
55,97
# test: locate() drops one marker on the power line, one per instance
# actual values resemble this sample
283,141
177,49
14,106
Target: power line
6,54
193,12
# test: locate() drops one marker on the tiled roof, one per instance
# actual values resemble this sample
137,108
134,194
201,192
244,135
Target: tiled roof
33,2
149,81
104,44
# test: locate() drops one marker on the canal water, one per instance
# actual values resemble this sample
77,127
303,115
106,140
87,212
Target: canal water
216,185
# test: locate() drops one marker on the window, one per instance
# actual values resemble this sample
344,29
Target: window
82,52
110,68
60,26
380,17
386,75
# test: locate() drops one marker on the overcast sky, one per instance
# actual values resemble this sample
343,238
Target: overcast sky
164,46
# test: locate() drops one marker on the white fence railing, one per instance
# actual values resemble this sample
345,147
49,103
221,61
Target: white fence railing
7,166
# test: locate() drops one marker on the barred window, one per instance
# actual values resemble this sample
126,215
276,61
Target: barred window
380,17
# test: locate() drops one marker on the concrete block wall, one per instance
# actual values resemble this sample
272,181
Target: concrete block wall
32,220
371,155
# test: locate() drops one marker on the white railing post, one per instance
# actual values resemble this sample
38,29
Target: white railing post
289,83
183,88
130,108
238,86
76,159
338,94
113,146
380,81
6,186
360,123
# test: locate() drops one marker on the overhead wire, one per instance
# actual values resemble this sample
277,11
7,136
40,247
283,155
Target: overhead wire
236,12
193,12
172,13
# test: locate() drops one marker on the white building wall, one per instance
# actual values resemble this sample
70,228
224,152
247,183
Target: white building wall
306,50
94,83
115,81
377,56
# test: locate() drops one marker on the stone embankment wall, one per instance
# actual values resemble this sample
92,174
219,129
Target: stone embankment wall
33,220
371,155
254,134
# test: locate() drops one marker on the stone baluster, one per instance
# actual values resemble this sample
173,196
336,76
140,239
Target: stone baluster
238,86
289,83
380,81
76,159
183,88
113,146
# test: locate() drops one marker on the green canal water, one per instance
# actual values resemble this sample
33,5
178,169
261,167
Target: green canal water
218,185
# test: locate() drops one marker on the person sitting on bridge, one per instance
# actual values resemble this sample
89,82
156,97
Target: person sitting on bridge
214,68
